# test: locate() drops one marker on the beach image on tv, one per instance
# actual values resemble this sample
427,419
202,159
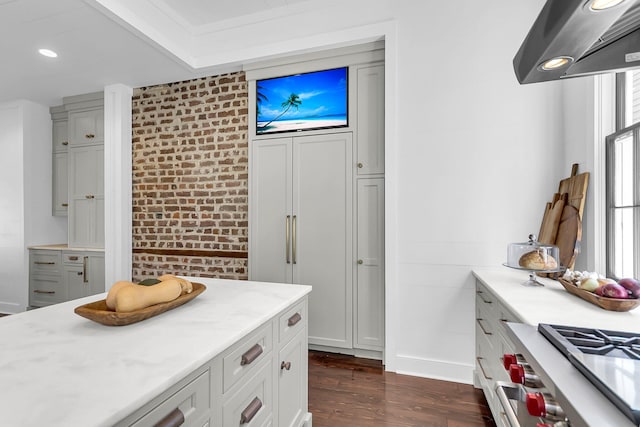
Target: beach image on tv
302,101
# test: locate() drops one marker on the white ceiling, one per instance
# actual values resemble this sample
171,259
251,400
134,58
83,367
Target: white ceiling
96,47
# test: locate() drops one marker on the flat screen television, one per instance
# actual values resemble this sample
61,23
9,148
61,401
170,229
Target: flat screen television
316,100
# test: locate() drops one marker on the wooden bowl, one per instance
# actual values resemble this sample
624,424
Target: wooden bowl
98,311
611,304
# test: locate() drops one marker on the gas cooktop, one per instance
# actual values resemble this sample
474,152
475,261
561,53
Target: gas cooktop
609,359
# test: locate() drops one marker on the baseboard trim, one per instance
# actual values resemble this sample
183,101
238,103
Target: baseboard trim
434,369
10,308
365,354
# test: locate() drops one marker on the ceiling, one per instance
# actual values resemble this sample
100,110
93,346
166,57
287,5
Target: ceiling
99,43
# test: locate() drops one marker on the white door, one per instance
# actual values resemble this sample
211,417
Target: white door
270,207
322,234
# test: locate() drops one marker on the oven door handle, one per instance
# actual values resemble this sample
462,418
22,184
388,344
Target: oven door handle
501,392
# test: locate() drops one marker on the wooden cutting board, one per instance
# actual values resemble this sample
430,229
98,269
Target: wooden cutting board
569,236
551,219
576,187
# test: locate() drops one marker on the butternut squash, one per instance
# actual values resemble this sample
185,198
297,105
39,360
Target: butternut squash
111,296
136,297
187,286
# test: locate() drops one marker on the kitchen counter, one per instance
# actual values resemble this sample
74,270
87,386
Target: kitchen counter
60,369
64,247
551,303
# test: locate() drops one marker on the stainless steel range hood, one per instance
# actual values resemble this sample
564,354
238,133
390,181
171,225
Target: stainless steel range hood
581,40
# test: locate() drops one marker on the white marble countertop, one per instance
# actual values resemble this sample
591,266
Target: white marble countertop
64,247
60,369
551,303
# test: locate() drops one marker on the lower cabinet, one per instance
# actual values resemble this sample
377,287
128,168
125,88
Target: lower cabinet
259,381
491,344
61,275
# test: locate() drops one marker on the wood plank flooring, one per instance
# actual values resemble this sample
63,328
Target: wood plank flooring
348,391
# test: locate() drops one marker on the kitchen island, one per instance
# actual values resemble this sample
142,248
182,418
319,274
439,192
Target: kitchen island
239,349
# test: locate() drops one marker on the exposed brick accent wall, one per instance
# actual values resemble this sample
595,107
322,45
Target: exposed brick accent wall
190,178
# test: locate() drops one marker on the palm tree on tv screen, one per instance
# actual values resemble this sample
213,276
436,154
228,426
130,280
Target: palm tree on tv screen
260,98
293,101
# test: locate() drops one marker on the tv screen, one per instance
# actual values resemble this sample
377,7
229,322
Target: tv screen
315,100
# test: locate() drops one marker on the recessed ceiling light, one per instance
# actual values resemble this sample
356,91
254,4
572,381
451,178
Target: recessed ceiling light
555,63
604,4
48,53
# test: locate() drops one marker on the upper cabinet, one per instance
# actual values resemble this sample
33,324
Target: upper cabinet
78,167
86,127
370,125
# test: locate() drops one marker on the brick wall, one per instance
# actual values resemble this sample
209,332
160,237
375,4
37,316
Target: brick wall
190,178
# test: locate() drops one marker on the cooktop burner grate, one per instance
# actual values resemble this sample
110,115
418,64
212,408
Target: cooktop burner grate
592,341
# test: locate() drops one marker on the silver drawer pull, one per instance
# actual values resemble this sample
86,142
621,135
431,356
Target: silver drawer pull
44,263
480,294
38,291
484,374
65,142
294,319
73,258
482,327
251,355
89,196
250,411
175,418
89,136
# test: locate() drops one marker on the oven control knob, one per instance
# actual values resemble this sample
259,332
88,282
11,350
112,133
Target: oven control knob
540,406
524,375
536,405
516,372
508,360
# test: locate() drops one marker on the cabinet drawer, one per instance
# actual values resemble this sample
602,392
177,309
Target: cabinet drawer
190,402
45,261
252,404
292,321
75,258
244,356
46,290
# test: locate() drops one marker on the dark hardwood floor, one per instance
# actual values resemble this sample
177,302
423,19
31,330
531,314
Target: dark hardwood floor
349,391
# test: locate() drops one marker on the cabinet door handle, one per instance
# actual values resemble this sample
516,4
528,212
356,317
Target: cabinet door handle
293,231
38,291
64,205
44,262
89,136
175,418
285,365
287,238
65,142
294,319
251,355
482,327
73,258
84,269
360,165
89,196
250,411
484,373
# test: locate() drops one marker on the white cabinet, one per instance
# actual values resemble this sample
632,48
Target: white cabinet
86,127
86,196
370,124
491,344
301,225
60,143
369,292
56,276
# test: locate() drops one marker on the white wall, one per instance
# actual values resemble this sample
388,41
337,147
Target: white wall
25,197
471,156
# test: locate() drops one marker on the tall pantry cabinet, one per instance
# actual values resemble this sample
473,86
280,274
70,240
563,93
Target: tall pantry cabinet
316,206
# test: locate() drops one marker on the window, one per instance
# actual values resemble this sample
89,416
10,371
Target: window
623,181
